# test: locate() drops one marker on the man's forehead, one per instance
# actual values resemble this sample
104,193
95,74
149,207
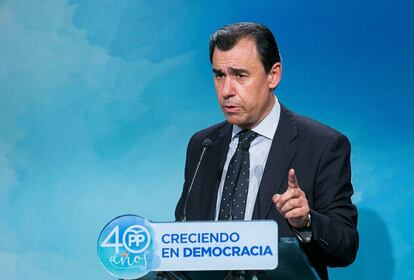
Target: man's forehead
243,54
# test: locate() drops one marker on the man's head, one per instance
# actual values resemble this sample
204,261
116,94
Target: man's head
246,66
227,37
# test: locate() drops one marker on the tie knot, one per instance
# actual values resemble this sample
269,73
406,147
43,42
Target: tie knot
246,137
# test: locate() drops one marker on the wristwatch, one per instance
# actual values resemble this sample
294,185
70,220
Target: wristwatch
308,221
304,234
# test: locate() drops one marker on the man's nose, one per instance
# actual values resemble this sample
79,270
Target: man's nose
228,88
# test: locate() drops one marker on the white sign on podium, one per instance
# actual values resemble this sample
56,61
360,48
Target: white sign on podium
129,246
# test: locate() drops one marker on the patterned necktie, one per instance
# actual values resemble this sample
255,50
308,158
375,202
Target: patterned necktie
236,183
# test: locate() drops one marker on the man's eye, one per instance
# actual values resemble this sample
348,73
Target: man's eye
241,75
218,75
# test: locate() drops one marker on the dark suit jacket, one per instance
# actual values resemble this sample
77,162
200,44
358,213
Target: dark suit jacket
320,156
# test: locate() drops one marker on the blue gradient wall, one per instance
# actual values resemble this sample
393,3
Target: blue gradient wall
99,98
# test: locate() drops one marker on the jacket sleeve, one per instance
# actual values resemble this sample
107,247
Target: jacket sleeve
335,237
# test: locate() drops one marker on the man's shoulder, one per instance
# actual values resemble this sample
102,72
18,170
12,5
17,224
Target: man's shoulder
212,132
310,125
314,129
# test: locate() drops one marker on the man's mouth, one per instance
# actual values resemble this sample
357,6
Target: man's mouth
230,108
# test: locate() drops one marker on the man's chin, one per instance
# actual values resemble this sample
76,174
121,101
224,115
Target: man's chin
237,121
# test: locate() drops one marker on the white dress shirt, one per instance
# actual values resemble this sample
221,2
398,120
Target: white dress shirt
259,151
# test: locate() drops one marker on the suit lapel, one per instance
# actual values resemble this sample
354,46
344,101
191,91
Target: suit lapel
278,162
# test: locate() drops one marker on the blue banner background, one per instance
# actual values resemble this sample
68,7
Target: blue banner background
99,98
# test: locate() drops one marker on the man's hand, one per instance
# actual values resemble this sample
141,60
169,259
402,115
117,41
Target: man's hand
292,204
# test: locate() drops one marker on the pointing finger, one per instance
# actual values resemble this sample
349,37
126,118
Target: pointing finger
292,181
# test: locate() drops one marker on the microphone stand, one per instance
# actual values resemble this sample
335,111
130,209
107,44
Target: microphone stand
206,144
168,275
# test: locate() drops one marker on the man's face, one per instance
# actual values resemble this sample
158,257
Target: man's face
244,89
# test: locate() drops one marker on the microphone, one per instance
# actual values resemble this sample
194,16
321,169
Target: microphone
206,144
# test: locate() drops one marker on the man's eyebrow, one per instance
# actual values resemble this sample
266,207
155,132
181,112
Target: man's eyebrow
234,71
237,71
217,71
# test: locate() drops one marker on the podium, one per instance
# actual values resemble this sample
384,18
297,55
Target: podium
293,264
131,247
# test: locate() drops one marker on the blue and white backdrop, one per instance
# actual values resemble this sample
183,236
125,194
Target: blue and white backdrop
99,98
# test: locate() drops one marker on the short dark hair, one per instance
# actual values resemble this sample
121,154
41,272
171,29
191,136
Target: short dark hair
228,36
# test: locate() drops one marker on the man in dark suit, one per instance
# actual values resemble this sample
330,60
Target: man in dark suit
298,170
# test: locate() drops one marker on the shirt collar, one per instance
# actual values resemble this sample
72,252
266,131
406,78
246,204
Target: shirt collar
267,127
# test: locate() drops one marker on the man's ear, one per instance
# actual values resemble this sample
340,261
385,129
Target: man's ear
275,74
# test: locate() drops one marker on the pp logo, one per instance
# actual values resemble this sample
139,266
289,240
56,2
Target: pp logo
136,239
124,247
